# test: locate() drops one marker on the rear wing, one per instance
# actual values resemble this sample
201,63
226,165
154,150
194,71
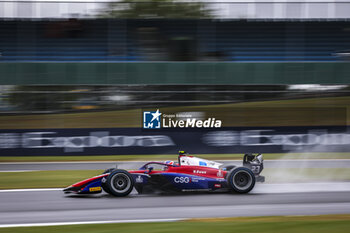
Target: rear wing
254,162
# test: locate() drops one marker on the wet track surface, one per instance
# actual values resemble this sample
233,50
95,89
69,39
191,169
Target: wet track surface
325,163
54,206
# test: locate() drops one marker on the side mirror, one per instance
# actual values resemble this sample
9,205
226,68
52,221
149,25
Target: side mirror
150,169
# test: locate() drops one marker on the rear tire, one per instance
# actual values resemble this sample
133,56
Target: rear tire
228,167
241,180
119,183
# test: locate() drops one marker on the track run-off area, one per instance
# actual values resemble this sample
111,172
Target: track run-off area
44,207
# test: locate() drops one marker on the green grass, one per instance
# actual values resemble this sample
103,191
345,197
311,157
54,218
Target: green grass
290,112
288,224
345,155
63,178
44,179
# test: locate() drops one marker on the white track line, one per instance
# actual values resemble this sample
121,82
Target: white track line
30,190
19,170
141,161
90,222
303,160
73,162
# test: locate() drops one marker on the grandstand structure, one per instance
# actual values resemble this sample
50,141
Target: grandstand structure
52,42
113,40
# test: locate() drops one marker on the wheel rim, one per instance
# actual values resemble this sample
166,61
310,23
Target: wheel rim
242,180
120,183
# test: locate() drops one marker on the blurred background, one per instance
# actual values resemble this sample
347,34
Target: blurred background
92,65
76,76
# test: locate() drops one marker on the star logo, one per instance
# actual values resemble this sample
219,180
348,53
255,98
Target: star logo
156,115
151,120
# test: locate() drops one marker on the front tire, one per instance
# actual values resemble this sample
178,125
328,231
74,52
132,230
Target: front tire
241,180
104,184
120,183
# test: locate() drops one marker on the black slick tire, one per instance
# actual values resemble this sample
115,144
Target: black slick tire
241,180
119,183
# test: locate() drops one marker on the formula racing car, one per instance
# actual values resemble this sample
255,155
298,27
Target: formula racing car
189,173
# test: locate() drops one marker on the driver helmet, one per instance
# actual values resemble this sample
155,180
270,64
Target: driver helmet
182,152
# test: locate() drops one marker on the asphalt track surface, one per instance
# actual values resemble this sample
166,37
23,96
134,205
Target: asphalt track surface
38,166
52,206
